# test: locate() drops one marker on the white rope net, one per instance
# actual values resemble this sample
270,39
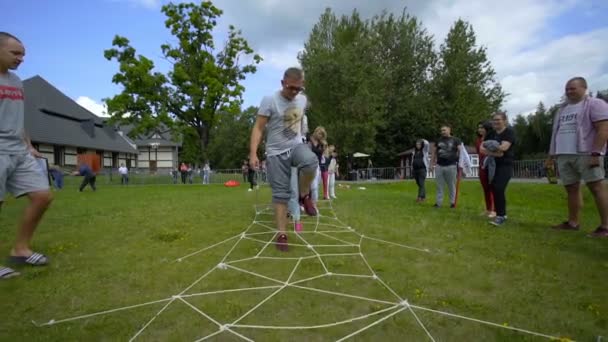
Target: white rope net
325,238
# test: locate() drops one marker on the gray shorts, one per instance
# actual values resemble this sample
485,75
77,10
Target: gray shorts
20,175
574,168
279,170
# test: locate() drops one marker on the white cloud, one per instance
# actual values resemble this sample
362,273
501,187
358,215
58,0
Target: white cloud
530,67
146,3
93,106
281,59
531,63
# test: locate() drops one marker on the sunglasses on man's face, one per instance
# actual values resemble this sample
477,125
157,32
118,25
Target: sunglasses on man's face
294,88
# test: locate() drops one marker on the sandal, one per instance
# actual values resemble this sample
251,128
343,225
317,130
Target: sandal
36,259
6,273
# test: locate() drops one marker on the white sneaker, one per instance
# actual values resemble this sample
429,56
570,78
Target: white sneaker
334,196
250,189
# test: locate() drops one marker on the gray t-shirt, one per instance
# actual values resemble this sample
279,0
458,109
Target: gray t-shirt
11,115
284,128
565,140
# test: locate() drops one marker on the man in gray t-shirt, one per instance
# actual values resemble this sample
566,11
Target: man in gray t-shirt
281,115
19,172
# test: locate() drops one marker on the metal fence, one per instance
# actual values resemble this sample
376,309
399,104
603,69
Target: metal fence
528,169
523,169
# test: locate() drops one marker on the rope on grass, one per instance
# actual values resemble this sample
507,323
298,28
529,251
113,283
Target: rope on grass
394,307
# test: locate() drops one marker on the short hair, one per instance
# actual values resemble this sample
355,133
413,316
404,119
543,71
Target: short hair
293,72
4,36
582,80
503,115
446,126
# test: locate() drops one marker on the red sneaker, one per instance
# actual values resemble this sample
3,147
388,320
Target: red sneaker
309,207
282,243
599,232
298,227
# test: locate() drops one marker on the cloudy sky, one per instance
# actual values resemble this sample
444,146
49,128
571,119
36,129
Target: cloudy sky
534,45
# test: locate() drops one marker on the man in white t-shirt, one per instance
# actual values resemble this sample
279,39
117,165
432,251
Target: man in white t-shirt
281,116
580,131
124,174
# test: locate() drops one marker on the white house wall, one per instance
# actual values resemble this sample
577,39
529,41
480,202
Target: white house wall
47,152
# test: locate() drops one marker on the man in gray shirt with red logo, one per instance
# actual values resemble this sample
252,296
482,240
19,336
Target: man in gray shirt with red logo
19,173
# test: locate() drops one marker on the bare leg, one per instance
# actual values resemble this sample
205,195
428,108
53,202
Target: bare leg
305,179
280,214
39,202
598,189
575,202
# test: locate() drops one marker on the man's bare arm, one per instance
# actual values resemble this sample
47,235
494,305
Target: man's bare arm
256,137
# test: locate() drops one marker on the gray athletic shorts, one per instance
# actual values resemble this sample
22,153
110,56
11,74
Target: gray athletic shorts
21,174
574,168
279,170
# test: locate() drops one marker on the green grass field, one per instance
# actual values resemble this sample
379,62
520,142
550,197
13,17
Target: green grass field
118,247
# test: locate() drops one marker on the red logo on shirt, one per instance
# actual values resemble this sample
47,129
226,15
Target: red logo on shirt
11,93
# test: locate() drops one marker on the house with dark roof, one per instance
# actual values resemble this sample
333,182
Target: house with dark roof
157,150
60,129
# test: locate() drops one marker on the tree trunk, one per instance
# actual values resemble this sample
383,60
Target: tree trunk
203,135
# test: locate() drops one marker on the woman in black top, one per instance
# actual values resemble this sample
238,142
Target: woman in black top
419,167
504,158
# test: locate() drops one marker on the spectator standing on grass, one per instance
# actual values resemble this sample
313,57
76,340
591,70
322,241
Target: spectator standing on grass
173,174
252,177
190,172
206,172
484,128
19,172
578,142
183,170
263,170
420,165
245,170
445,163
318,144
324,164
504,158
124,174
333,171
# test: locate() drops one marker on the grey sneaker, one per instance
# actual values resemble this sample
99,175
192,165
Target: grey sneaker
498,221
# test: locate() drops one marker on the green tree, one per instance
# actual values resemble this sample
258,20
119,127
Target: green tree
230,139
341,82
534,133
404,53
203,82
602,95
465,87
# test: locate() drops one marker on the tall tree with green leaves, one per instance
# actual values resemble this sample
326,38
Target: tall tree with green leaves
342,82
465,85
534,133
204,81
404,53
230,142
